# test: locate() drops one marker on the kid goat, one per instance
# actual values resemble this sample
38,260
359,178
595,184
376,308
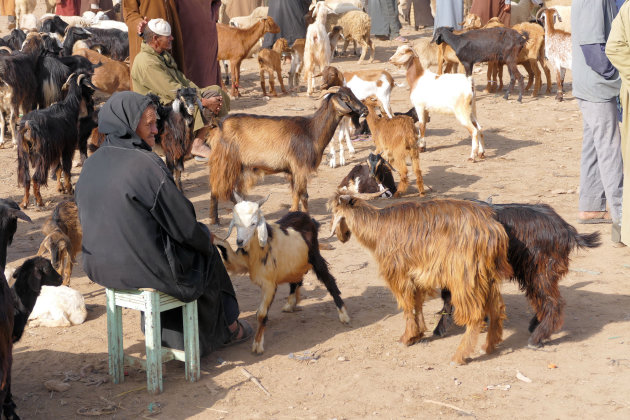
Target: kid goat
423,246
445,93
276,254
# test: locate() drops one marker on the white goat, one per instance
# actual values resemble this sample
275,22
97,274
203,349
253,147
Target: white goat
273,254
445,93
317,46
558,49
58,306
523,11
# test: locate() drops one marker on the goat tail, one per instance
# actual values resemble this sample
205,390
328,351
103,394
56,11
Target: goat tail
226,169
588,240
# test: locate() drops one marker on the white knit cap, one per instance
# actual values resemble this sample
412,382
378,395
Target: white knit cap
159,27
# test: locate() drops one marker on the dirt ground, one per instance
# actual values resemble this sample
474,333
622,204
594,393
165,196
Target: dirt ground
315,367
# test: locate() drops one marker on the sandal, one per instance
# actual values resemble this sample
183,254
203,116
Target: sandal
247,333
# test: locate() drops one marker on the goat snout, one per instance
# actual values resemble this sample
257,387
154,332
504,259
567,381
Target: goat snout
239,242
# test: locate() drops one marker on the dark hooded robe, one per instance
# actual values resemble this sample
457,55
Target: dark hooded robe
140,231
289,15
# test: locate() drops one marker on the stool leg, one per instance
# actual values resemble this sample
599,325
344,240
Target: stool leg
191,341
114,338
152,334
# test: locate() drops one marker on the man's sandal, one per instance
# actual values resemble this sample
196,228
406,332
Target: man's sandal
247,333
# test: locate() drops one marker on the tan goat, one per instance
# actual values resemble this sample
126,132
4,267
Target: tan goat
270,61
397,139
112,76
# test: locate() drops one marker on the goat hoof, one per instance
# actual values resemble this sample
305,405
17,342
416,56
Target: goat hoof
472,160
482,155
24,204
423,149
343,315
257,348
411,340
534,346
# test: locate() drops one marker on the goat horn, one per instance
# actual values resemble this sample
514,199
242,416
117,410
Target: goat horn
68,80
332,89
229,230
7,49
539,12
81,77
369,196
336,219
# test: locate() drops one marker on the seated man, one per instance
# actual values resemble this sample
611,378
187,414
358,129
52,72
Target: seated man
155,71
140,231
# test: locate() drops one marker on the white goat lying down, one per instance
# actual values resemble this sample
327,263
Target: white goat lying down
282,252
58,306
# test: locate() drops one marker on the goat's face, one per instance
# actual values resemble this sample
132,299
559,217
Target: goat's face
438,37
248,220
339,226
270,25
187,97
346,103
57,245
404,54
374,163
33,44
9,213
471,21
331,76
37,272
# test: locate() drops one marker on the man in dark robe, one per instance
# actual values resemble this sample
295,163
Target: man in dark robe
289,15
140,231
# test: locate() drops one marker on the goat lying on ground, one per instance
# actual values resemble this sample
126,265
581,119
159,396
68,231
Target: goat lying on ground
376,176
491,44
250,146
446,93
269,61
235,43
274,254
434,244
175,129
539,248
58,307
50,135
396,138
63,236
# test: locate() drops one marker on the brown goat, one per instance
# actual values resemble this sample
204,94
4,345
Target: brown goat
112,76
423,246
250,146
63,238
235,43
397,139
270,61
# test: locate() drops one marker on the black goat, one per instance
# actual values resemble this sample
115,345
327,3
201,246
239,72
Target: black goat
53,24
73,34
9,214
539,248
374,177
50,135
15,39
16,304
175,129
114,42
490,44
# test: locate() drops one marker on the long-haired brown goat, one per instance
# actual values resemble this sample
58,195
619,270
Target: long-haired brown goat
274,254
540,244
397,139
250,146
63,238
423,246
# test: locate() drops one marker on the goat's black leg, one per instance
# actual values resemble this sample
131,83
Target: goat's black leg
294,297
214,210
8,406
446,318
320,266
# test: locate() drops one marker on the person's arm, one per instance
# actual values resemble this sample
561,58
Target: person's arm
617,46
595,57
176,215
592,40
160,82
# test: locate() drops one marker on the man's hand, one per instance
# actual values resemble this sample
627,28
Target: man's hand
142,24
213,104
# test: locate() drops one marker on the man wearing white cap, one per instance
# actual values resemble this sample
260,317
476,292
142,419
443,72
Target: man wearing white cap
154,71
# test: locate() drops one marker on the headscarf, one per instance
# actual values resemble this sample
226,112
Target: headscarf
120,116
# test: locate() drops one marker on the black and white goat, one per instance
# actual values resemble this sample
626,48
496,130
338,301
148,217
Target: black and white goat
277,253
114,43
175,129
374,177
47,136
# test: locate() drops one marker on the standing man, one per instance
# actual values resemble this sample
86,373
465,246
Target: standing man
137,11
449,13
385,22
487,9
422,16
596,85
618,51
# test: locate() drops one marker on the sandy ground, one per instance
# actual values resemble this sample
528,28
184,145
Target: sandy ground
315,367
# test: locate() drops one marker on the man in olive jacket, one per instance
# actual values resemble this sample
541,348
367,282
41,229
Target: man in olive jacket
155,71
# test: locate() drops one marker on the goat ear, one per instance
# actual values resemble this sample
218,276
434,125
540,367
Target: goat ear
237,197
176,104
264,200
341,106
229,229
19,214
262,231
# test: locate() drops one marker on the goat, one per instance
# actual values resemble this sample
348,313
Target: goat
363,83
58,306
446,93
445,53
297,63
374,177
114,42
397,139
15,39
316,46
15,308
48,136
333,36
249,146
490,44
53,24
9,214
6,107
63,236
540,242
176,134
269,60
72,36
235,43
444,243
558,48
356,26
274,254
112,76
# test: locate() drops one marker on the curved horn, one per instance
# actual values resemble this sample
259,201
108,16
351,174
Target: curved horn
7,49
229,230
332,89
336,219
67,82
538,13
81,77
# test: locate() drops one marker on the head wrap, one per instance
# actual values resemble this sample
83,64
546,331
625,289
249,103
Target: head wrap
159,27
120,116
